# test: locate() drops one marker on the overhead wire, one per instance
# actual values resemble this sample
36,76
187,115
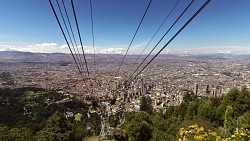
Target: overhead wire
77,58
133,37
58,21
72,33
176,34
157,30
93,35
161,39
79,34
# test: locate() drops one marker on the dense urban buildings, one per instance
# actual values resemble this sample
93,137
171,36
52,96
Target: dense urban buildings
166,80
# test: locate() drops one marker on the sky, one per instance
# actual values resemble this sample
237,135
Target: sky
222,27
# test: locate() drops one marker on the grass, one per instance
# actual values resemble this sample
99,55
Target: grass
31,95
78,117
93,138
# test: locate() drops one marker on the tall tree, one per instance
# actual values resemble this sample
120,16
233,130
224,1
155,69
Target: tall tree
146,104
55,129
138,127
228,121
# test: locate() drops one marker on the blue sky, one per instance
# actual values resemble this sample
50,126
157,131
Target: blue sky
222,27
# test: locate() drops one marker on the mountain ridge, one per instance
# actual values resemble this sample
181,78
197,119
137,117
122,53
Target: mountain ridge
19,56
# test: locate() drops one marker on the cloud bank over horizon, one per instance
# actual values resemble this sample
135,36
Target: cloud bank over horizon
210,50
55,48
136,49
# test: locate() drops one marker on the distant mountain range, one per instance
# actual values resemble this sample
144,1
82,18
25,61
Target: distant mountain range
18,56
222,55
14,53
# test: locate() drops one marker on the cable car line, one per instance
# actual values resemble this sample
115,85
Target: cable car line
77,58
176,34
133,37
161,39
157,30
65,37
93,35
79,34
65,10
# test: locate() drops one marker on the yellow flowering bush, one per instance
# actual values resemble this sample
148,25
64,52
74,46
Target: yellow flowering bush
196,133
239,135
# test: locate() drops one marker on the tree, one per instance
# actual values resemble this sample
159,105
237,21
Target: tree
169,111
242,102
138,127
205,110
113,121
146,104
159,135
20,134
78,132
139,131
55,129
228,121
231,96
192,109
244,121
189,97
4,132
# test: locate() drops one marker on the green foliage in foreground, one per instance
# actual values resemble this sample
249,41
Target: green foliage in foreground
224,118
32,114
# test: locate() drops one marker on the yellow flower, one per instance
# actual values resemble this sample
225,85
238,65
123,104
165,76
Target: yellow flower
182,133
193,126
199,137
213,134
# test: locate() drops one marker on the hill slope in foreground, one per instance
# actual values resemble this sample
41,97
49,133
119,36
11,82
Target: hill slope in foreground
35,114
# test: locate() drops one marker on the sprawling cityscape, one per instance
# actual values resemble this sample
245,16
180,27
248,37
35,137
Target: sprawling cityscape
165,81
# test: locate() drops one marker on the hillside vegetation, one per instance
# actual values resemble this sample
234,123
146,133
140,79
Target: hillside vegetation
36,114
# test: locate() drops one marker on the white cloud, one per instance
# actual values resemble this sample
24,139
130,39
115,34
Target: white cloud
210,50
102,50
7,47
45,48
55,48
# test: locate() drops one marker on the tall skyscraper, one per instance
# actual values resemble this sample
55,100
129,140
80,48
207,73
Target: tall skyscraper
207,89
196,89
142,87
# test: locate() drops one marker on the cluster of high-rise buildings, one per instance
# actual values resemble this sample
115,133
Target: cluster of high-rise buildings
166,80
